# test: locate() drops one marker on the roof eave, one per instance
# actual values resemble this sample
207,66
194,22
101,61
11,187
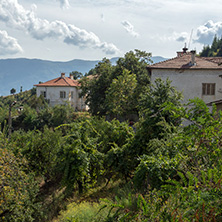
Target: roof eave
54,85
191,68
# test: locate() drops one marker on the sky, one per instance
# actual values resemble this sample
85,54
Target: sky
63,30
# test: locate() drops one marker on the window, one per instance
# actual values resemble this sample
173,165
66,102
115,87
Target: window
62,94
72,94
43,93
208,89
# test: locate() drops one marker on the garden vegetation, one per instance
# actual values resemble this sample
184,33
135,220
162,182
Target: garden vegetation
66,166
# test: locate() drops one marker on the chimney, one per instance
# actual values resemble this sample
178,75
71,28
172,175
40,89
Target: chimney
179,54
193,53
71,76
62,75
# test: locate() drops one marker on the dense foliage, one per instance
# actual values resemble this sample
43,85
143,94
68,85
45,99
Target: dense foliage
18,189
114,90
166,167
215,50
179,179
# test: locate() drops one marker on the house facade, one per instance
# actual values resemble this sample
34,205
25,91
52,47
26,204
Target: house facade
192,75
62,90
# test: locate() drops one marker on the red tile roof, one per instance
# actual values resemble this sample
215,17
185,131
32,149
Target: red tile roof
218,60
184,62
60,81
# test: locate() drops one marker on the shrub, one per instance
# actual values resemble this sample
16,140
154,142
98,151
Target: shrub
18,189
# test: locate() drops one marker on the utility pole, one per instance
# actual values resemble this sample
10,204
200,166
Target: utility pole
10,119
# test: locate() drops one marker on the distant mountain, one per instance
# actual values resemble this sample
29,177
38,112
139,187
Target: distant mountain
157,59
15,73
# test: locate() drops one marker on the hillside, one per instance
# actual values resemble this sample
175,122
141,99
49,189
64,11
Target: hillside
15,73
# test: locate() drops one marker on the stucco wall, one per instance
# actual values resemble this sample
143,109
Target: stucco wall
53,95
190,82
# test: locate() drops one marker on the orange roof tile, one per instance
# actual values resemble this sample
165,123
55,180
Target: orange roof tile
218,60
60,81
184,62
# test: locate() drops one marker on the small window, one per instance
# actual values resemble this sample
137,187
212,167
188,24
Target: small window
62,94
43,93
72,94
208,89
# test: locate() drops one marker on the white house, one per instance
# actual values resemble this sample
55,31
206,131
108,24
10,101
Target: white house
62,90
194,76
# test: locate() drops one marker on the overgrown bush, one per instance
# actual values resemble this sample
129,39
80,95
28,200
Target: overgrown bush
18,189
40,149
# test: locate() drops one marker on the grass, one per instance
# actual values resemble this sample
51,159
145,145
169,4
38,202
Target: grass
86,207
82,212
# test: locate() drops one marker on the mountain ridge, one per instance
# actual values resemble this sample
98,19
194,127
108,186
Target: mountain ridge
25,72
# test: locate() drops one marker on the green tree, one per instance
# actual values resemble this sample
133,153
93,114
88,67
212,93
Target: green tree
79,160
205,51
153,110
76,74
136,63
40,149
95,88
114,142
214,45
12,91
27,119
120,94
93,151
62,114
215,50
152,105
181,175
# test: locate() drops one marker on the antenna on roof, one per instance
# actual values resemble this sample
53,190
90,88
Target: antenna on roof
185,48
190,38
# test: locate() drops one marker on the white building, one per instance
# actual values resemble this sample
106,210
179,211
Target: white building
194,76
62,90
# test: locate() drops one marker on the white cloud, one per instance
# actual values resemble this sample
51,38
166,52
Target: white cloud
84,39
129,28
8,44
64,4
180,37
206,32
13,14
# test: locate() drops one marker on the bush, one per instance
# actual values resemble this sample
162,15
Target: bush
40,149
18,189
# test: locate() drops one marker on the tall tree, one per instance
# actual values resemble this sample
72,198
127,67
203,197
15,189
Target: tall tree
136,62
120,94
215,50
94,88
152,105
97,88
205,51
214,45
